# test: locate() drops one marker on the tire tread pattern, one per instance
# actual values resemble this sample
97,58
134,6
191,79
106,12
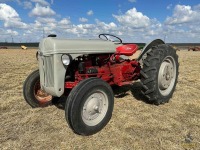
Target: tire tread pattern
149,73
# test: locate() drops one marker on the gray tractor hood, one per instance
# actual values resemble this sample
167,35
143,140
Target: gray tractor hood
52,45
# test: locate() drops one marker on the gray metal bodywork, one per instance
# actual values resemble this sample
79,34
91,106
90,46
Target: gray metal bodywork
76,47
52,71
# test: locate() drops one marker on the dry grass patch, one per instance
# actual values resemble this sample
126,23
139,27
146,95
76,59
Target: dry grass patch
134,124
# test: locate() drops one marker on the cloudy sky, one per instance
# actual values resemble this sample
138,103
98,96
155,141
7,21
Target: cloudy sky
131,20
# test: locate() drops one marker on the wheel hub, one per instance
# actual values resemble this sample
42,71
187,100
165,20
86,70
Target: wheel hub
95,108
92,108
166,75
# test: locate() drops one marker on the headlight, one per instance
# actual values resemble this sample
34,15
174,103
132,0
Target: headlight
66,59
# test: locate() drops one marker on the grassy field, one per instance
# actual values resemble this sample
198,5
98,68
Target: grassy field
134,124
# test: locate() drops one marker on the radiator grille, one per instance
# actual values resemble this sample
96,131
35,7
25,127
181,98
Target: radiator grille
49,71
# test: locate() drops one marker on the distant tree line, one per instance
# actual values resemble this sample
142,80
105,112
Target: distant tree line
139,44
19,44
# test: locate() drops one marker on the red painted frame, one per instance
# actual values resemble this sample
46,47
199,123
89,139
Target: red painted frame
115,71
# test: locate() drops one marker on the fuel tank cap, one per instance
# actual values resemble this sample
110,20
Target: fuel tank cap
52,35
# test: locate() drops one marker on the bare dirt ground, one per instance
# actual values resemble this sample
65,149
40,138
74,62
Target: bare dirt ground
134,124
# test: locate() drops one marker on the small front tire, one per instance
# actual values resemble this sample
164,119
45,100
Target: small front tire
32,92
89,106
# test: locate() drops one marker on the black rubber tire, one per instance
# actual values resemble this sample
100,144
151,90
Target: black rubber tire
28,90
75,103
150,72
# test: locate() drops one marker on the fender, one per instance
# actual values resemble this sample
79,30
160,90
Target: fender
150,45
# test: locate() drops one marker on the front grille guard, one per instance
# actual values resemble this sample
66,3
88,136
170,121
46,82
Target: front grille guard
46,70
49,71
52,74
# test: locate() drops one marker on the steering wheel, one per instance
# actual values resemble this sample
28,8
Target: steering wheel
106,37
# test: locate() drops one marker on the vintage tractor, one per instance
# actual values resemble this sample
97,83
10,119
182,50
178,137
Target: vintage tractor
84,71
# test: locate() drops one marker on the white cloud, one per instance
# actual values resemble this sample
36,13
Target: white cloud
83,19
7,12
90,13
8,35
27,5
46,20
41,2
63,24
65,21
86,30
132,25
28,32
106,27
42,11
14,23
11,32
10,17
183,25
48,25
132,18
183,14
41,27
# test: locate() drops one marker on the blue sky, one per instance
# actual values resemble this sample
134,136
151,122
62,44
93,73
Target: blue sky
132,20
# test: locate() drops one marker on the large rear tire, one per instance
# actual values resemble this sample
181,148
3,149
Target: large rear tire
159,74
32,92
89,106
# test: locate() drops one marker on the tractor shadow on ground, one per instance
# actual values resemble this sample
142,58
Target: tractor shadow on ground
59,102
120,92
135,91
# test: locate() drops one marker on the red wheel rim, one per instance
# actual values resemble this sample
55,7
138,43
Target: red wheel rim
41,96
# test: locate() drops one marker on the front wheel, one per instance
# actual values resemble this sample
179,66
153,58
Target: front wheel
159,74
32,92
89,106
